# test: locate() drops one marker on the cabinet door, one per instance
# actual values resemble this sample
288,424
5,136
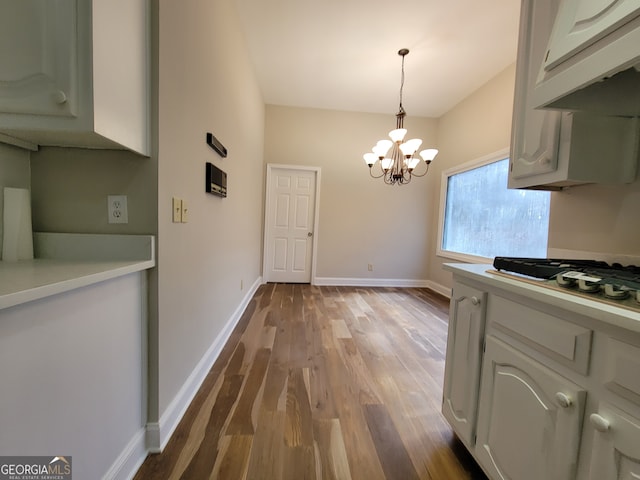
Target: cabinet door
535,133
616,446
37,57
462,367
529,421
583,22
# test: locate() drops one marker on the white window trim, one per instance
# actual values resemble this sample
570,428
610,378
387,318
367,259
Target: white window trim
478,162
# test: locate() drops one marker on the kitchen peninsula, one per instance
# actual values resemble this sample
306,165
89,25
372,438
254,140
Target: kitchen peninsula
73,350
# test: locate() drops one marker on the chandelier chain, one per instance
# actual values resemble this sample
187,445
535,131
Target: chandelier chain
402,85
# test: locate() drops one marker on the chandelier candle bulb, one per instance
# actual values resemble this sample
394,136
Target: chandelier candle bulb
398,160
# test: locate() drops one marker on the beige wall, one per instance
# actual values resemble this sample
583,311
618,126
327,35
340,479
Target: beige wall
362,220
476,127
596,218
205,84
14,172
70,188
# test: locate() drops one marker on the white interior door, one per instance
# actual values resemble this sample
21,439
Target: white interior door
290,223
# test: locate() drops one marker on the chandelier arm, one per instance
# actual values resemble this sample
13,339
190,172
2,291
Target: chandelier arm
421,174
376,176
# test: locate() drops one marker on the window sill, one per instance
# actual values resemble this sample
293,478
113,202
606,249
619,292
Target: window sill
463,257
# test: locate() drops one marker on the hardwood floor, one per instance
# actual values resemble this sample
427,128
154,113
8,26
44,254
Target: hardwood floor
323,383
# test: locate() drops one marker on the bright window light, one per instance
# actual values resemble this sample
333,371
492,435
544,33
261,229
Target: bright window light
482,218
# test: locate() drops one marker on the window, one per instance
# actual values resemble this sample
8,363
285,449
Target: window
480,218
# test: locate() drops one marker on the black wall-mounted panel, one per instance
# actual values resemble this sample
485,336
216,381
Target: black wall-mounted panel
216,181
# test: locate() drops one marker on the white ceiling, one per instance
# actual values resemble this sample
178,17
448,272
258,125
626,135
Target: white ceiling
342,54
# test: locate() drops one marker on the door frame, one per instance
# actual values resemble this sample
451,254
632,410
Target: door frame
267,204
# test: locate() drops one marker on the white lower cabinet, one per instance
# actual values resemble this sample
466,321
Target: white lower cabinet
616,446
529,419
537,386
464,354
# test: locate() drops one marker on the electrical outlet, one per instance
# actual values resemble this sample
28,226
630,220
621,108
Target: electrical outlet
176,205
184,218
117,209
370,267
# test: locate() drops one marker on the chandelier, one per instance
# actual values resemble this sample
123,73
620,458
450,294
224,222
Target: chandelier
397,160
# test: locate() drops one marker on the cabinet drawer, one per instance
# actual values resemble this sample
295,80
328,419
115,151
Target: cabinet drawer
565,342
621,370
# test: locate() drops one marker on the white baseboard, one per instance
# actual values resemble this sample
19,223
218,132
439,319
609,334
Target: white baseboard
381,282
441,289
129,461
158,434
369,282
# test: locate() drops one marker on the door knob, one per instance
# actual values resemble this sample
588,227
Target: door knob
309,234
599,423
563,400
59,97
475,301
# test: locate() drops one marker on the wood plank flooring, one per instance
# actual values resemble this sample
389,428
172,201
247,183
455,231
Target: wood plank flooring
323,383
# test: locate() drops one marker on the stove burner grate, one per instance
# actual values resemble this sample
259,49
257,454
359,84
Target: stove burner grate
619,276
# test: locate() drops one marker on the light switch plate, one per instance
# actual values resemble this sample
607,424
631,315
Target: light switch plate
117,209
184,217
177,209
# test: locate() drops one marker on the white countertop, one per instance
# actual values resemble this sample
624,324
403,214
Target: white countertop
70,261
605,312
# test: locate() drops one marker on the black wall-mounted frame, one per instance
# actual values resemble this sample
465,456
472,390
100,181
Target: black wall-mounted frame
214,143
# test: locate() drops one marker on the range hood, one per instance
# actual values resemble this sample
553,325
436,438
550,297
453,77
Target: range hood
616,95
601,72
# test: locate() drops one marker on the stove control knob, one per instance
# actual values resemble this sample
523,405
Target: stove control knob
475,301
600,423
563,400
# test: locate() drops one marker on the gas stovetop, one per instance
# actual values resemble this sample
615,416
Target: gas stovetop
613,282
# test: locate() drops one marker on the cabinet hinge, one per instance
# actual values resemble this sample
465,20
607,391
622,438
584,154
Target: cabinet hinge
484,346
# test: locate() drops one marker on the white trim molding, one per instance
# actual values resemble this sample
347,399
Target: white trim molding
369,282
158,434
130,459
441,289
382,282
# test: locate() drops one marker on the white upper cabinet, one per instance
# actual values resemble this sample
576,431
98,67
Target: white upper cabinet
592,41
551,149
37,56
536,133
582,23
75,73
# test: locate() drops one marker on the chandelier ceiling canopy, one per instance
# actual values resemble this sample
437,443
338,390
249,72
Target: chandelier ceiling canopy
396,158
